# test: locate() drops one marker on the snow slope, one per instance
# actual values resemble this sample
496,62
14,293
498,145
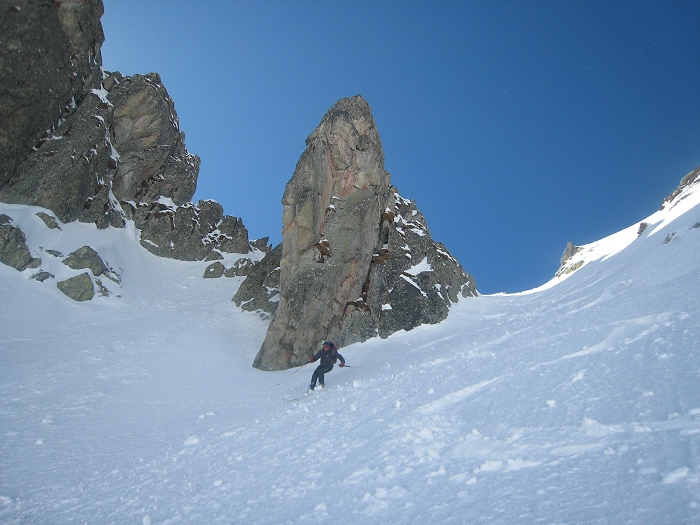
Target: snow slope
575,403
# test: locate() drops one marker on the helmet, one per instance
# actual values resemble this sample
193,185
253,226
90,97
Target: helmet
327,343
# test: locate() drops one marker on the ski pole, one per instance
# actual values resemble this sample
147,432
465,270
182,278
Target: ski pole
290,375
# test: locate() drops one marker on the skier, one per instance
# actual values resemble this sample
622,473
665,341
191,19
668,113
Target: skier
328,356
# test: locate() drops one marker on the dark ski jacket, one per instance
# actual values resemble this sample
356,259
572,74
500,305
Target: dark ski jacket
329,357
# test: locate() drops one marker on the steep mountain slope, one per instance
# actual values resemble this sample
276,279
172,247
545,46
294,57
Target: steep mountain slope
575,403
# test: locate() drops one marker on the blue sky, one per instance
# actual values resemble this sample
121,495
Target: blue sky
515,126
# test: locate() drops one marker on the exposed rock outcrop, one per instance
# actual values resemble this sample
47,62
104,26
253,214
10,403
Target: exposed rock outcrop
357,260
413,280
260,290
565,266
93,146
570,250
156,177
188,232
571,262
13,246
330,223
240,267
14,252
688,180
53,116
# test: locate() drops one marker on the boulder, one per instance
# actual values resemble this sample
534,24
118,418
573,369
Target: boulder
214,270
87,258
49,220
42,276
13,246
78,288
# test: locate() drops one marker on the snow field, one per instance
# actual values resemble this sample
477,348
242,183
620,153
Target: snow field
578,403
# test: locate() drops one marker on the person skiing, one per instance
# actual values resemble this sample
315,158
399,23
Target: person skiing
328,356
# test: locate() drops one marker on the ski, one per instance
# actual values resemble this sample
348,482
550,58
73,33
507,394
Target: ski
305,394
289,400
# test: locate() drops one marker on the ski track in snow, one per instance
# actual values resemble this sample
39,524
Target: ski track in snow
578,403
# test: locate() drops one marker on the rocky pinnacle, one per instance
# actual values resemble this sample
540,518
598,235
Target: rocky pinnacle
330,230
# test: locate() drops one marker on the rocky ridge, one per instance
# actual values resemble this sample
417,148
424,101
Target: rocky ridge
94,146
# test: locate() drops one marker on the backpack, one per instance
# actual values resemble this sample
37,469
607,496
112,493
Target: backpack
334,351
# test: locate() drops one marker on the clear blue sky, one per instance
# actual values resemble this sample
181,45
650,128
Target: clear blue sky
515,126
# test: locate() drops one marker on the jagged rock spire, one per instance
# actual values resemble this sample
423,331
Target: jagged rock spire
330,229
357,259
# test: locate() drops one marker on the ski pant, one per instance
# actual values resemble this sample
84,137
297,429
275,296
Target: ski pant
318,373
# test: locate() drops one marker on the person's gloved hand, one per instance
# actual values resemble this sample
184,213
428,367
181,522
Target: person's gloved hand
342,365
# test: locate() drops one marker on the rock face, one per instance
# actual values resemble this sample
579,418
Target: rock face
330,223
53,123
260,290
413,280
66,171
50,62
94,146
357,260
188,232
153,161
214,270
